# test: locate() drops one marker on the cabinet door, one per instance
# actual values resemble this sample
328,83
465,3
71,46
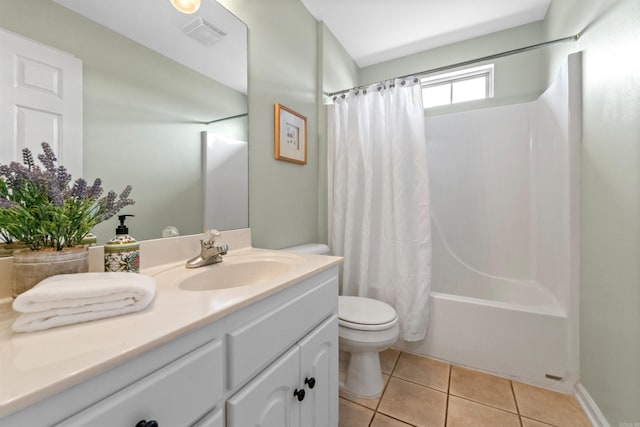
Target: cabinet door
319,368
268,400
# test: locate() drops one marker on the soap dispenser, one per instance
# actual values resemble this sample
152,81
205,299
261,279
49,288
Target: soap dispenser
122,253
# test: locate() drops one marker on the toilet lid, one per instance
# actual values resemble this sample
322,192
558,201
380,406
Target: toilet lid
365,311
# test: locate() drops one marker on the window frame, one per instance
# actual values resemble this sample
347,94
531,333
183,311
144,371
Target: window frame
453,77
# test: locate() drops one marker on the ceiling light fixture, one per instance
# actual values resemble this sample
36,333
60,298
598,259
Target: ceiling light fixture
186,6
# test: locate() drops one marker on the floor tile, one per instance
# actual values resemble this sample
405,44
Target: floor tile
427,372
352,415
549,406
483,388
465,413
381,420
413,403
526,422
371,403
388,360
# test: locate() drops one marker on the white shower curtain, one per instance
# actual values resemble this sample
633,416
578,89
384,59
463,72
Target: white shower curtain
379,216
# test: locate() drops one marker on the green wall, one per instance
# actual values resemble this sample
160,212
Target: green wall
610,193
283,196
339,70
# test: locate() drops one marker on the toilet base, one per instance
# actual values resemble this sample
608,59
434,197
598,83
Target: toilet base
364,375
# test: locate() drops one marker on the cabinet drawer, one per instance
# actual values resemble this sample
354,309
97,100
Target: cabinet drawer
162,396
260,341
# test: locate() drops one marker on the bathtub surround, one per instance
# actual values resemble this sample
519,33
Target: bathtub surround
380,199
504,205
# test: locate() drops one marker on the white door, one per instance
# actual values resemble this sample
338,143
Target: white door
40,100
319,372
268,400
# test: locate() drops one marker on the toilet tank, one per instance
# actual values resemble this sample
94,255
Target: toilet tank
309,248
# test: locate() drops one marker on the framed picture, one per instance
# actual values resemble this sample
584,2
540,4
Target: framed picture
290,135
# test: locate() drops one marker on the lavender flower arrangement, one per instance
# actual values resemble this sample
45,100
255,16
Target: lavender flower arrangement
43,209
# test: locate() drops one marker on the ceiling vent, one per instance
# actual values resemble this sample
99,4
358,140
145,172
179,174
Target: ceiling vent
204,31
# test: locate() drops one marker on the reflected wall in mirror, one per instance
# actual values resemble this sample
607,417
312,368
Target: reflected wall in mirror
149,91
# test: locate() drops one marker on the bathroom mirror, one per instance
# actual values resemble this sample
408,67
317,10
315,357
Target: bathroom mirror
154,79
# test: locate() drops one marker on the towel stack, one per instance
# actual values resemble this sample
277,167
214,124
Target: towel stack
81,297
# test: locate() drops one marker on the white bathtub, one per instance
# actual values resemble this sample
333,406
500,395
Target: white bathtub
514,330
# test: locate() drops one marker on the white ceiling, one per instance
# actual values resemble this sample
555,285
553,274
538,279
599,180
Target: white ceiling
158,26
374,31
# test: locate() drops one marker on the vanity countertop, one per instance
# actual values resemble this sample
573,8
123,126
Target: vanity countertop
34,366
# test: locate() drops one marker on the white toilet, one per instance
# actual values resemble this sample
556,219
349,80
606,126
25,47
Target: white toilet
366,327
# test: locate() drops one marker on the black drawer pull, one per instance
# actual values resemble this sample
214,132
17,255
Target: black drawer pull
145,423
311,382
299,394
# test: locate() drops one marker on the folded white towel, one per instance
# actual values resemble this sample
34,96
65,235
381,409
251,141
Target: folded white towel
73,298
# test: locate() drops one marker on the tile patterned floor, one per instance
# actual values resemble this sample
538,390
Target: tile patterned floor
422,392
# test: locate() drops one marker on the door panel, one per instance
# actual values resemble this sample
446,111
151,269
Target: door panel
40,100
268,400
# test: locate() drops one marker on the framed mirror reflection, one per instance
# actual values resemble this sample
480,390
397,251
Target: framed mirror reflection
153,80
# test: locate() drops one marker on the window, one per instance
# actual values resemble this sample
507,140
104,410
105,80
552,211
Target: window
458,86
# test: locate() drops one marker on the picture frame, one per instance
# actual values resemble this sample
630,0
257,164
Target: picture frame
290,142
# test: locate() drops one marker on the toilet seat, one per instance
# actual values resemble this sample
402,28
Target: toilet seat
365,314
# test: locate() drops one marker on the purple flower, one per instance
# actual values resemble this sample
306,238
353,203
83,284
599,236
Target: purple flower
47,158
63,178
96,189
56,196
79,189
125,193
111,206
27,158
44,200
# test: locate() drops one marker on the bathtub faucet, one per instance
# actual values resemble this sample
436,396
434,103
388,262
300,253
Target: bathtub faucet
210,252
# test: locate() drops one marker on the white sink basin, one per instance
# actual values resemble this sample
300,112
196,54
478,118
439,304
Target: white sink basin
241,271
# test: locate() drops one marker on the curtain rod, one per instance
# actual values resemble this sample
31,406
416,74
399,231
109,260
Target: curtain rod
472,61
226,118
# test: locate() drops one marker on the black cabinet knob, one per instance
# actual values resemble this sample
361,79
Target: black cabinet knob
145,423
311,382
299,394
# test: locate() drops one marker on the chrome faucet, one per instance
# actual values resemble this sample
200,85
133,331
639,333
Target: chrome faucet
210,253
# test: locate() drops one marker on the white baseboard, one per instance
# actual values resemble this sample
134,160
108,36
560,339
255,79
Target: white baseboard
590,408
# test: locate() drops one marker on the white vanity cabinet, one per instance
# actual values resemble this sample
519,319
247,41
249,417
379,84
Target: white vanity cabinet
238,370
298,389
